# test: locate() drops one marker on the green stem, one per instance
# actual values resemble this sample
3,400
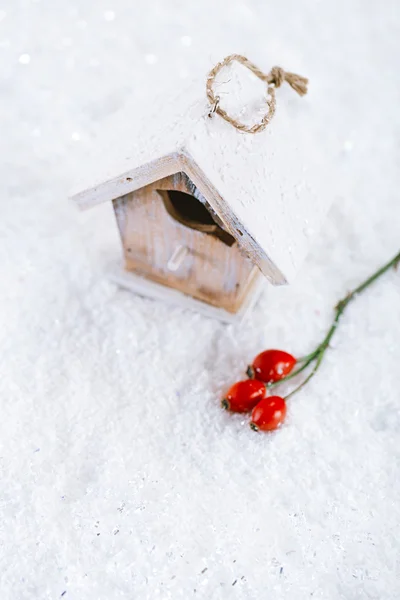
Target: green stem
341,306
295,373
307,357
307,379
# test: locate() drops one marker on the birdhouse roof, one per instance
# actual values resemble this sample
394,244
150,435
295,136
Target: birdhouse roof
269,188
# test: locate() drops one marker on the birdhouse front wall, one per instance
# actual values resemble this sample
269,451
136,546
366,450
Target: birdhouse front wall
170,235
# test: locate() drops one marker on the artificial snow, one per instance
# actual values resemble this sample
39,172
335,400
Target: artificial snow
120,476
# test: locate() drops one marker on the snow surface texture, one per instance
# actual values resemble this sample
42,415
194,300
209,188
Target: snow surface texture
120,477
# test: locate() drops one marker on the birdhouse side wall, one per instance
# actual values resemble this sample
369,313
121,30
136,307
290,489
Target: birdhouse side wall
158,247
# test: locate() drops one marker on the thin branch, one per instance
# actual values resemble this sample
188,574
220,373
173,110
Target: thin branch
340,308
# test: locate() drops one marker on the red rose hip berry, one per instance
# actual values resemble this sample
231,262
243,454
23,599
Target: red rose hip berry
268,414
244,395
271,365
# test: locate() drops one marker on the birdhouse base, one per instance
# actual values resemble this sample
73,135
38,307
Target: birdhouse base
150,289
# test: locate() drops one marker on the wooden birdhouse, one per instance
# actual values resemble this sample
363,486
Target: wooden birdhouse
205,210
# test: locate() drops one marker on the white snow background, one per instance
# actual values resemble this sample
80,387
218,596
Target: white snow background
120,476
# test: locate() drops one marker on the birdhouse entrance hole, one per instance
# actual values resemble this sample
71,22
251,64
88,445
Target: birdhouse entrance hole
191,212
171,236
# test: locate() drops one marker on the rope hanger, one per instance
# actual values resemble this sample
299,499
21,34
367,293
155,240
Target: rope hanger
273,79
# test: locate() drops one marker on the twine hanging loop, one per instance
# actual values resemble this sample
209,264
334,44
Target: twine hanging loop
273,79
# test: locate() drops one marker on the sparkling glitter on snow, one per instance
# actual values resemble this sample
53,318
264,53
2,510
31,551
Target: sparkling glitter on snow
136,439
24,59
348,145
109,15
186,40
151,59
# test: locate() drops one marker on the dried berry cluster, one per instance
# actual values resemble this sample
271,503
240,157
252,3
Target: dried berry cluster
267,412
273,367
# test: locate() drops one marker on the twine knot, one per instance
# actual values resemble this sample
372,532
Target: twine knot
277,76
273,79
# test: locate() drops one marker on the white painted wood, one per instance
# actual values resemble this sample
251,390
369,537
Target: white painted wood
270,189
232,224
150,289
